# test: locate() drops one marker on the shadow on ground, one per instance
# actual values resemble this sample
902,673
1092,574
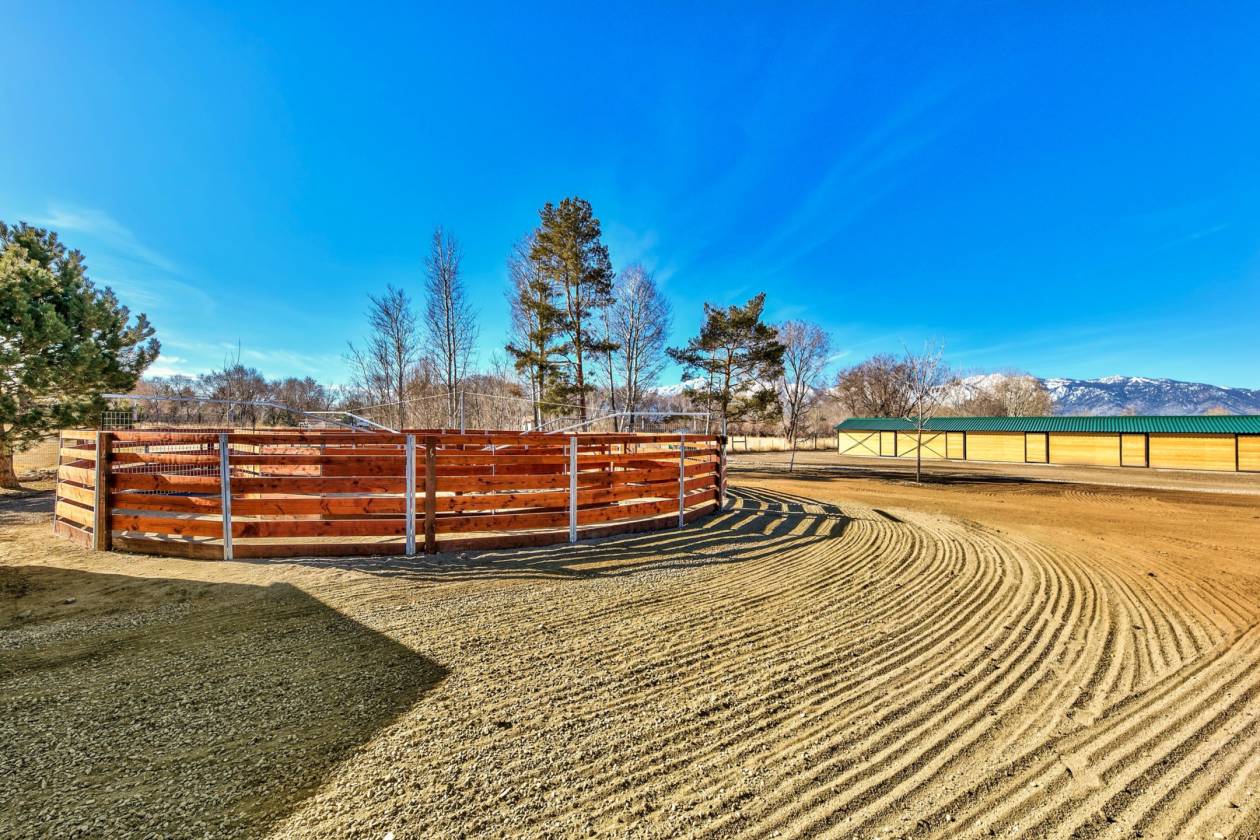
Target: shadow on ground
755,524
24,507
183,709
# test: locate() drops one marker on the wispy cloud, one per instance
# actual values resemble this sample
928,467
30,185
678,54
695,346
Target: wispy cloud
838,355
856,179
170,366
107,231
1192,236
320,365
202,356
141,275
861,172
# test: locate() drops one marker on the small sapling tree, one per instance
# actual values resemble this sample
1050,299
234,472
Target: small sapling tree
926,383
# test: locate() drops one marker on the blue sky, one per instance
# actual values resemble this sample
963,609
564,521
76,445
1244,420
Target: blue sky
1069,192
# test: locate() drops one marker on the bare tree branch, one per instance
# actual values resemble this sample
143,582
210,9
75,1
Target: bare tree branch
806,350
926,382
450,325
638,323
384,368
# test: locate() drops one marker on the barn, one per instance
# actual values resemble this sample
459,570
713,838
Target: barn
1224,443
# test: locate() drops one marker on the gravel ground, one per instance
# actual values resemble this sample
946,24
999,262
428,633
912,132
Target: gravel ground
833,656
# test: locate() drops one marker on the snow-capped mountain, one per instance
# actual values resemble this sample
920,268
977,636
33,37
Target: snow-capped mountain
1135,395
1141,395
1114,395
676,389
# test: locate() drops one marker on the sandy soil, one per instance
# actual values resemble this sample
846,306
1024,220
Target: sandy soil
840,654
961,472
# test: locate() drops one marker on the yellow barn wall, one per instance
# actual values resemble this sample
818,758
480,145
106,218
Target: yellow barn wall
1249,453
995,446
1167,451
1035,447
1193,452
933,445
859,443
887,443
1085,449
1133,450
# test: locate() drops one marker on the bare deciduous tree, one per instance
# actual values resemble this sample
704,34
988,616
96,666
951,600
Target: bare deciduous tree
638,323
1008,395
806,350
450,326
925,385
302,394
385,367
873,388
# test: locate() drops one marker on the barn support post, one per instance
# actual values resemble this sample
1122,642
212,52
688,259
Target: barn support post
225,494
101,540
430,496
573,468
682,478
411,495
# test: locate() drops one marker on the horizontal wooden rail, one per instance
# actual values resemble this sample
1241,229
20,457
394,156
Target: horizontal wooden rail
210,494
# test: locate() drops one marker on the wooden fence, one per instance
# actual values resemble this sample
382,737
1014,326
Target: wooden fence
224,494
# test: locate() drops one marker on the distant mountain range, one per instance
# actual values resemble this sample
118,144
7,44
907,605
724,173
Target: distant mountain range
1113,395
1140,395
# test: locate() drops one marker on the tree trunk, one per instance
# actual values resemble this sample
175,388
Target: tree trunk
581,381
538,403
8,478
918,458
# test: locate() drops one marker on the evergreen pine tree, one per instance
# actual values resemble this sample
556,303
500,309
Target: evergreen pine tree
567,253
739,358
535,342
63,342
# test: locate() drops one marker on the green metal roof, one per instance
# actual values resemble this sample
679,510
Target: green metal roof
1244,424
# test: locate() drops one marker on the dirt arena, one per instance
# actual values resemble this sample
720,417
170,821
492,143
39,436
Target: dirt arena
840,654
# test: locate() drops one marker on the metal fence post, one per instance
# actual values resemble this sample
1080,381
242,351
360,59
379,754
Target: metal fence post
225,495
573,468
411,495
682,477
461,413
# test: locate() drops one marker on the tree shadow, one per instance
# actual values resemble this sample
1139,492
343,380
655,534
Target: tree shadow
182,707
18,508
757,523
